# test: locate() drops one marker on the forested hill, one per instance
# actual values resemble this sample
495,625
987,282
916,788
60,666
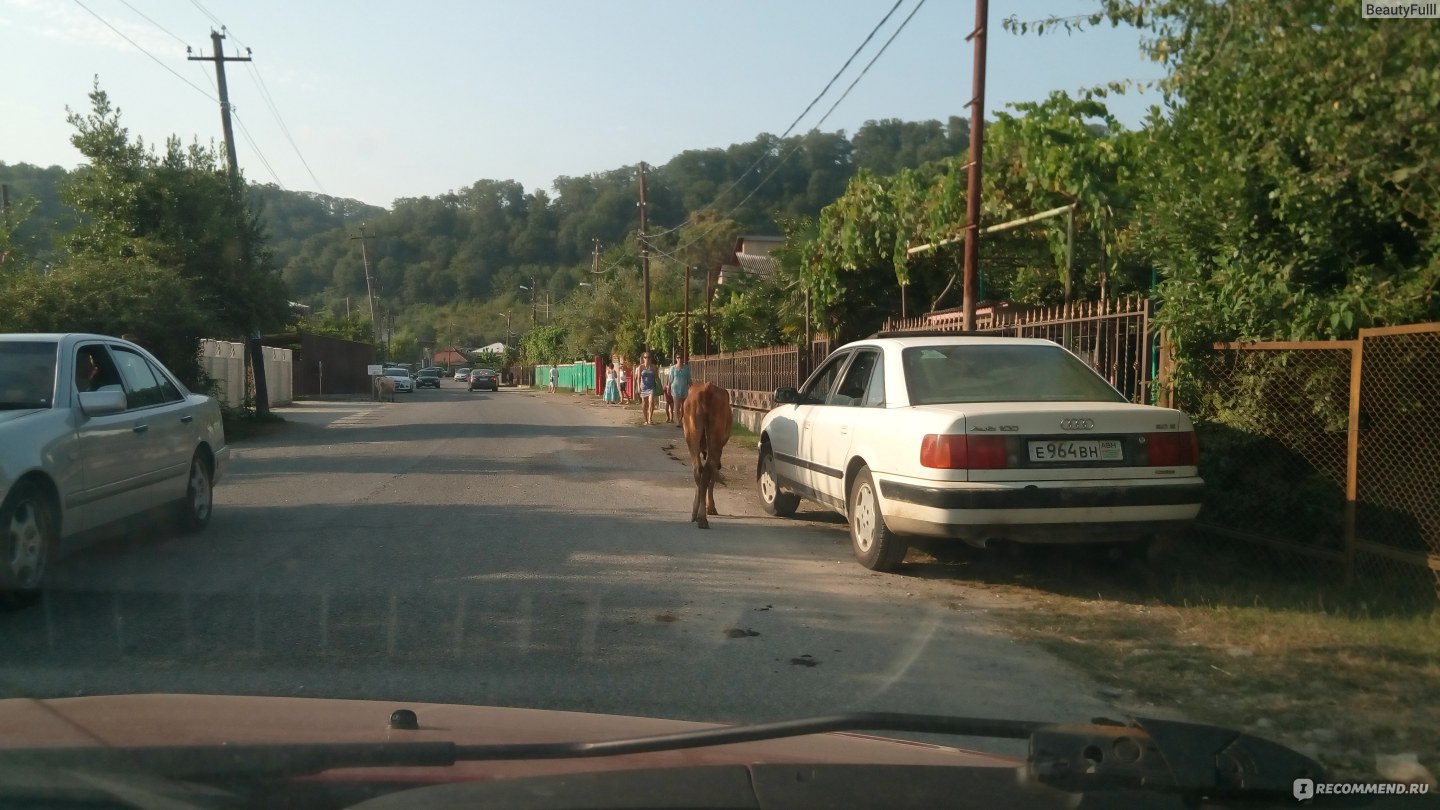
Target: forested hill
492,235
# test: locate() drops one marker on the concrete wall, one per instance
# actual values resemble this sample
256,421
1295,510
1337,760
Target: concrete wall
225,362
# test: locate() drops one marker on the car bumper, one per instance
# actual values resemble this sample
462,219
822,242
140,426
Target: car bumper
1038,511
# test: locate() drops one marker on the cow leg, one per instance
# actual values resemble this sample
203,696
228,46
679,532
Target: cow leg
714,461
703,481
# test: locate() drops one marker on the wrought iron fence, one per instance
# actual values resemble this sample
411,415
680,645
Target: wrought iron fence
1113,336
761,370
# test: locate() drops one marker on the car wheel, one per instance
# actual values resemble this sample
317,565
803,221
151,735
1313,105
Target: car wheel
772,499
875,546
199,496
28,528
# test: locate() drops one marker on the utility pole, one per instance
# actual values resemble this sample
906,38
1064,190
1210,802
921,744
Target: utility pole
594,255
534,307
369,288
253,348
685,319
709,324
219,58
977,149
644,260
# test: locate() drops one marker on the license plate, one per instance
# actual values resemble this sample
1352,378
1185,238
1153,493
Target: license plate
1088,450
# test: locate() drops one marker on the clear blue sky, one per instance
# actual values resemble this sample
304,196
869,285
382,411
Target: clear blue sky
400,99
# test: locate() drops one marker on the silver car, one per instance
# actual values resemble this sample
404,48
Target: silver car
93,430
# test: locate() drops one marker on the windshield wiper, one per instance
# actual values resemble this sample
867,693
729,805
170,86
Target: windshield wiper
1160,755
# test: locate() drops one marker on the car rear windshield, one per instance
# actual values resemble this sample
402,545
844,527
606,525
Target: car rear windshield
27,374
1000,373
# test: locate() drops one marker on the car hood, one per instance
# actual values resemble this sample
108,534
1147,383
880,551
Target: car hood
171,720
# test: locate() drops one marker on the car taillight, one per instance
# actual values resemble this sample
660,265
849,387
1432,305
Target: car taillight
1172,449
943,451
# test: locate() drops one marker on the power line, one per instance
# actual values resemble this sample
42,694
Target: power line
152,22
246,132
206,12
279,119
152,56
828,112
689,220
267,97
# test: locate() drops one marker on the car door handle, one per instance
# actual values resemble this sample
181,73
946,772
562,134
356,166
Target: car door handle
187,419
140,428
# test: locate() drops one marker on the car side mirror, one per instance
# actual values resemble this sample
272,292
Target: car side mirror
102,403
786,396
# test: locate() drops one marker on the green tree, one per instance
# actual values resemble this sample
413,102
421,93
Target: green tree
1287,180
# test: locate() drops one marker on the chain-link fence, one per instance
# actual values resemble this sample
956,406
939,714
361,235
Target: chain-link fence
1397,476
1329,450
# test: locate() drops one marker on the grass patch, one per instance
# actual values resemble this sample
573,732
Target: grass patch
1229,635
245,424
744,437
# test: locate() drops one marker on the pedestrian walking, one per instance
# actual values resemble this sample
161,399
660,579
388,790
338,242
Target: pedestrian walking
665,375
612,385
554,378
647,378
680,386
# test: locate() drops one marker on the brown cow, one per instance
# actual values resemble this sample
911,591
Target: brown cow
707,420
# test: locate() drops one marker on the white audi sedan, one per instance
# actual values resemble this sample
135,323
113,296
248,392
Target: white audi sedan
93,430
975,439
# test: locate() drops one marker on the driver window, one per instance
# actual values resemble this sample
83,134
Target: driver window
817,391
94,371
851,390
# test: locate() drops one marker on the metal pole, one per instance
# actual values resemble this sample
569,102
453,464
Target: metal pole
644,261
977,149
685,319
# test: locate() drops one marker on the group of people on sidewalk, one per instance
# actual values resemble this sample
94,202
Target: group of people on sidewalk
649,383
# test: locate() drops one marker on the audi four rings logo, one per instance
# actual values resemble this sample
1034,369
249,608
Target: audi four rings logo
1077,424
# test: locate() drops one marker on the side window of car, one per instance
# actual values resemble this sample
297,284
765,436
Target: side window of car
817,391
144,390
851,390
875,390
94,370
168,390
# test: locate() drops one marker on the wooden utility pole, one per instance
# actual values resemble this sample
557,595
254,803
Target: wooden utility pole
595,255
685,319
644,260
709,325
977,150
253,350
369,288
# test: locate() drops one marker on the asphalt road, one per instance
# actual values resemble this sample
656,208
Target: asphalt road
514,549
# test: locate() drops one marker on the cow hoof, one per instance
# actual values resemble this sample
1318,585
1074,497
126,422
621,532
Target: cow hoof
703,525
712,511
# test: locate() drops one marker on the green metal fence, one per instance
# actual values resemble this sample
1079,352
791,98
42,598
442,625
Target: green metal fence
572,377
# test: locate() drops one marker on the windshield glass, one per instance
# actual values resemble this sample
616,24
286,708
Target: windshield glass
1037,360
994,373
27,374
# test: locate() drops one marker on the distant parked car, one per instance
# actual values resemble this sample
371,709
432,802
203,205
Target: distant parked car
976,439
463,375
401,376
428,378
484,379
94,430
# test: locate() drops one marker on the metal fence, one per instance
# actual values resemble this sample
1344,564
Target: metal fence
1329,449
760,370
1113,336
